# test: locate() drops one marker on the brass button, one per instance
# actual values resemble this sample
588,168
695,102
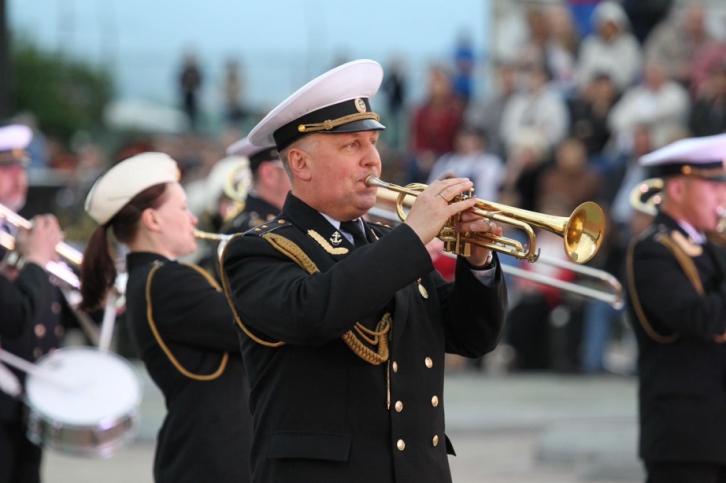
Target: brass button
55,307
436,439
399,406
264,226
59,331
434,401
39,331
395,366
37,352
401,445
429,363
280,222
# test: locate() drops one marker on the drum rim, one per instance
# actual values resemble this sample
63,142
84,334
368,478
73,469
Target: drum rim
112,419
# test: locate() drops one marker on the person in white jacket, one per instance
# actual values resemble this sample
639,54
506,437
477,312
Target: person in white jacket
611,50
539,107
658,103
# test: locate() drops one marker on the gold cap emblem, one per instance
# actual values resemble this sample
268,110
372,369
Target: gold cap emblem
360,105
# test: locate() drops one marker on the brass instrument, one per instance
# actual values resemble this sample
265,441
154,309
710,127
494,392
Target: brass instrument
646,197
70,257
612,292
236,186
582,231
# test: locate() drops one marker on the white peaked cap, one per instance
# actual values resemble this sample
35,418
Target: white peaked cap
115,188
338,95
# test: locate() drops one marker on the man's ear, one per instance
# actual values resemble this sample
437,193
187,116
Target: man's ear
299,162
150,219
674,189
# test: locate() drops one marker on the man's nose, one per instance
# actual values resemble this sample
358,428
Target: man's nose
372,157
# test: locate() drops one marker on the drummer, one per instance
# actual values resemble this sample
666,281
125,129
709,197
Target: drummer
179,320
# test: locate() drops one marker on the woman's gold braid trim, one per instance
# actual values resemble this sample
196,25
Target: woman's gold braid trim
228,295
164,347
689,269
295,253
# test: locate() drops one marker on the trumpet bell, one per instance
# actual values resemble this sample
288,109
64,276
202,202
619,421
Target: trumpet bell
583,233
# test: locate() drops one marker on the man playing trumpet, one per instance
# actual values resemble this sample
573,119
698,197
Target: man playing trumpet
30,309
345,324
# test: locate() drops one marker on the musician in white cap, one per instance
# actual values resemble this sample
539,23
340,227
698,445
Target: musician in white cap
30,319
677,294
179,320
269,189
345,323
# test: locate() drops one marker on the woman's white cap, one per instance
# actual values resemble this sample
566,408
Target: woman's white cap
115,188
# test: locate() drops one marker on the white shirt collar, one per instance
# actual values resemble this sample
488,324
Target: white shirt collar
698,237
336,225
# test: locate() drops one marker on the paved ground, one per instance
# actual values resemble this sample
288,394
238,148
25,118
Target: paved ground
506,429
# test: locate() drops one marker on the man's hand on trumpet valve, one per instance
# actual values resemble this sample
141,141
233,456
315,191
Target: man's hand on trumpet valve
433,208
37,245
473,223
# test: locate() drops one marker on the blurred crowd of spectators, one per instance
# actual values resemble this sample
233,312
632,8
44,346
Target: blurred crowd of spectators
590,88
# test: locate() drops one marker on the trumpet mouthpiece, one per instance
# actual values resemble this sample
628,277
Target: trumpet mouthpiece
373,182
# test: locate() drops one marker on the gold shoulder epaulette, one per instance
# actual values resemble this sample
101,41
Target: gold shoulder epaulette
268,227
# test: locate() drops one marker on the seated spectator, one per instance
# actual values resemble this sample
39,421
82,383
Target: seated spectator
562,48
528,153
658,102
590,111
434,124
487,115
570,177
612,50
708,115
471,160
676,42
538,107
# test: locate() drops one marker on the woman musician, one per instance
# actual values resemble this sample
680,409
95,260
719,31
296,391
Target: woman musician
180,322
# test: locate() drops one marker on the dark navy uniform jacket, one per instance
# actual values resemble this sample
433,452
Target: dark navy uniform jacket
256,212
30,324
321,412
682,370
206,433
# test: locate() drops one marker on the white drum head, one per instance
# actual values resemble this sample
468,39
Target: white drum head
94,387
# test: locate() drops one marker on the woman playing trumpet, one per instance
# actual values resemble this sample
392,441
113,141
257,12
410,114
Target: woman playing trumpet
180,322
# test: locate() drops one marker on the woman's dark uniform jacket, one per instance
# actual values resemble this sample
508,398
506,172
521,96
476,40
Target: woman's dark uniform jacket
320,411
682,377
206,434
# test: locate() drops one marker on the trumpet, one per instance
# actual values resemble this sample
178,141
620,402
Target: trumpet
582,231
70,257
611,292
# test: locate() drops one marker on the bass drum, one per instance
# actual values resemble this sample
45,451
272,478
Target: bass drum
85,403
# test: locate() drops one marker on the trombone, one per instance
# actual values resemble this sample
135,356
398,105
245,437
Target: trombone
582,231
612,293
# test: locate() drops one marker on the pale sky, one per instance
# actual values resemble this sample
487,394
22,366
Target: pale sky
281,43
